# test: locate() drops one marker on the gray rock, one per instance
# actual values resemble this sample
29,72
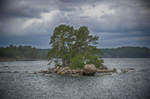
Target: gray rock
89,69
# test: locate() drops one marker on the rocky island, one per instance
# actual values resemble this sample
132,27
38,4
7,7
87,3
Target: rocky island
88,70
73,52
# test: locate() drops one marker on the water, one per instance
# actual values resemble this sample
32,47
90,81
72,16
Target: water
17,81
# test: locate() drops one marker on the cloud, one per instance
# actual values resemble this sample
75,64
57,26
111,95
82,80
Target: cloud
96,11
103,17
40,25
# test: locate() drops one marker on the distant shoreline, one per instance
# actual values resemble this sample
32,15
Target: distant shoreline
28,53
14,59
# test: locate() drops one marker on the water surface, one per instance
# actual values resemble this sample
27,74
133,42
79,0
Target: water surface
17,81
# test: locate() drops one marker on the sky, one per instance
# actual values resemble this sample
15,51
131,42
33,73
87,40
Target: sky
116,22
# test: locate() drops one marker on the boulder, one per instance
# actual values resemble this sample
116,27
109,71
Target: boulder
103,67
89,69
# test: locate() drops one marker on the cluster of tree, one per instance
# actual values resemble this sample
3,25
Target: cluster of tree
126,52
75,47
22,52
28,52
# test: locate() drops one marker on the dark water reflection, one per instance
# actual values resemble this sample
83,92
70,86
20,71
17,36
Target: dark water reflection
18,82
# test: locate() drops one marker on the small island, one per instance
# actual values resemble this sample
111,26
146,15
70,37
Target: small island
74,52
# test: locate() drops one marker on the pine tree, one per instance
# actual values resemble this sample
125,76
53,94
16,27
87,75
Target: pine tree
69,43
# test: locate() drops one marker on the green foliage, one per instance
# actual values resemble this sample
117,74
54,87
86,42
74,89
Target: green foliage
77,62
30,53
68,42
22,52
94,60
61,42
127,52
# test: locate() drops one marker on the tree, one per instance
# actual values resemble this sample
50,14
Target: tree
84,42
69,43
61,43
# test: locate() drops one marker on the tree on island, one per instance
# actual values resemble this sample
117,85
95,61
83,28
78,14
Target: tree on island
75,47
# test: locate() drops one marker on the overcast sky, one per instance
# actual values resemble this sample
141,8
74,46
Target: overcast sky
116,22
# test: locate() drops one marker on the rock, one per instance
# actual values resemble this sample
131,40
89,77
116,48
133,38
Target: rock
35,73
45,71
127,70
103,67
124,70
89,69
106,70
118,71
130,69
75,71
66,68
56,69
62,72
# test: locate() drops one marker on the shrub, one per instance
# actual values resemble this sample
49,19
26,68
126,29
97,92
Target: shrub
94,60
77,62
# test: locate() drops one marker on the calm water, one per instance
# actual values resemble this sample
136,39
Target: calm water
17,81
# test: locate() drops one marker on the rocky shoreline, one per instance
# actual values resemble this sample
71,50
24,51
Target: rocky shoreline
88,70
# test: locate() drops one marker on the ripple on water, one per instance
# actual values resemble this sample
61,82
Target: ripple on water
131,85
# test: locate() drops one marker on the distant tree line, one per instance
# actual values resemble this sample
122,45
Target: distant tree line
126,52
28,52
22,52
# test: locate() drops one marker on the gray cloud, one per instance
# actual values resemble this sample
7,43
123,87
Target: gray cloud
25,17
20,9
